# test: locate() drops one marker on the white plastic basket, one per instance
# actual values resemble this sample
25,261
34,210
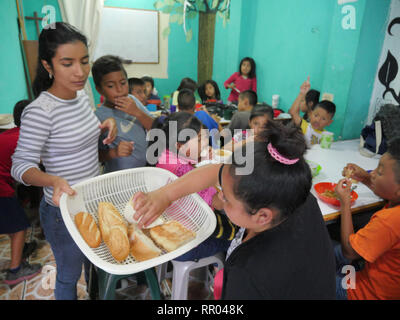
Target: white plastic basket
117,188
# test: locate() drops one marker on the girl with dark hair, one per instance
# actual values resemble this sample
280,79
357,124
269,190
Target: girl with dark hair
60,129
209,92
185,141
243,80
306,100
283,250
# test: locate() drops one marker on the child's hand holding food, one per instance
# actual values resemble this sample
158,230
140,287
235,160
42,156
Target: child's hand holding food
343,191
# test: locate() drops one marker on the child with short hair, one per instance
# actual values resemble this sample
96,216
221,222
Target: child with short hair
378,242
240,120
149,89
13,220
244,79
137,88
186,83
283,250
319,118
131,116
209,92
180,158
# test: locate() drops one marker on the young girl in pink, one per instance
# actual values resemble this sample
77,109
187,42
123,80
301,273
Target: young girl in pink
243,80
186,140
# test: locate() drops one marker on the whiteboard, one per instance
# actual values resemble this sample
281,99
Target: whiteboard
130,34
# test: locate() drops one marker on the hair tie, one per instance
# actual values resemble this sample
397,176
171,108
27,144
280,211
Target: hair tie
278,157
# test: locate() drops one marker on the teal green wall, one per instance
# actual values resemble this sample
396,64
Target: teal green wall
12,80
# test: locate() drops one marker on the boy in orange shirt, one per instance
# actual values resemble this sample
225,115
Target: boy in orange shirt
378,243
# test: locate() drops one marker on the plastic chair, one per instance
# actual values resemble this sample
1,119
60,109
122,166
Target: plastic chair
181,270
107,284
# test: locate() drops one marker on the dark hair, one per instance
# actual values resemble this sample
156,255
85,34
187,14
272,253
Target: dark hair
50,39
250,95
135,82
262,110
312,96
18,109
328,106
148,79
273,184
181,120
188,83
394,151
105,65
202,91
186,100
252,64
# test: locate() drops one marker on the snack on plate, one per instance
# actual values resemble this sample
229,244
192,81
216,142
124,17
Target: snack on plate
330,194
113,230
142,247
88,229
171,235
129,212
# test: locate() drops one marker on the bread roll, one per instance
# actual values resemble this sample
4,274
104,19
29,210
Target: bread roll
171,235
88,229
142,247
129,212
113,230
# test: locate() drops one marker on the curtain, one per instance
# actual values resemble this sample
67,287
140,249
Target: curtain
84,15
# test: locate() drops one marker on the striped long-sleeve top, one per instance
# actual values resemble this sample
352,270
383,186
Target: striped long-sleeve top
63,134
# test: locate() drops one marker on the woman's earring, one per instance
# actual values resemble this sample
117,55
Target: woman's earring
50,76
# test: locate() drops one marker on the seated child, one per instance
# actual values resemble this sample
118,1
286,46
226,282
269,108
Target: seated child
283,250
240,120
179,158
320,117
13,219
131,116
259,117
306,101
137,88
378,243
150,91
186,83
209,92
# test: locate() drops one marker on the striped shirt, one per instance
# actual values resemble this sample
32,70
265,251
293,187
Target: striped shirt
63,134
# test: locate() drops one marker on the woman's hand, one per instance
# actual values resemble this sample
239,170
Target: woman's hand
149,206
343,191
111,126
61,186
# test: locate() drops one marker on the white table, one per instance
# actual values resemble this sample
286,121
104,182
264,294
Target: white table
333,161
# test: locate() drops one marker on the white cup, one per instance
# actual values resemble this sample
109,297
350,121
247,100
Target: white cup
275,100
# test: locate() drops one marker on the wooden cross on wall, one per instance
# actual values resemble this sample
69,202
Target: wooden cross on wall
36,18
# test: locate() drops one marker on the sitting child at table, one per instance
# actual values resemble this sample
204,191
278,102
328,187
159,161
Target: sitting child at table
378,243
306,101
137,88
240,120
131,116
186,83
209,92
180,158
283,250
150,91
259,117
320,117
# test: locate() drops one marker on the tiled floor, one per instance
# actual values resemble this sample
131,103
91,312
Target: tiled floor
40,287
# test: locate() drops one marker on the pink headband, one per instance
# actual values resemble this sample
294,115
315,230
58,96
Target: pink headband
278,157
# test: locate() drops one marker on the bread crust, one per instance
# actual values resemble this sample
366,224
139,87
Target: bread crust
171,235
88,229
142,247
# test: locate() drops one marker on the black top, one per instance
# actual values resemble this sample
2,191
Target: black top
294,260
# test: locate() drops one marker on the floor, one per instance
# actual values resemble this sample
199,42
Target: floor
40,287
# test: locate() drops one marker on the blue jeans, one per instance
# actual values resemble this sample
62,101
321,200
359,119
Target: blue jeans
69,258
341,261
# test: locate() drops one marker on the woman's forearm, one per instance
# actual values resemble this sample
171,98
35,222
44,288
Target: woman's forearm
38,178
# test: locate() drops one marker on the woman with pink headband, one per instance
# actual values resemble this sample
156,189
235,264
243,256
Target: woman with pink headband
283,249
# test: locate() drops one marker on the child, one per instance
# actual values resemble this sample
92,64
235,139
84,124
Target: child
131,116
320,117
13,220
283,250
240,120
179,158
150,91
137,88
60,130
186,83
378,243
243,80
259,117
209,92
307,101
